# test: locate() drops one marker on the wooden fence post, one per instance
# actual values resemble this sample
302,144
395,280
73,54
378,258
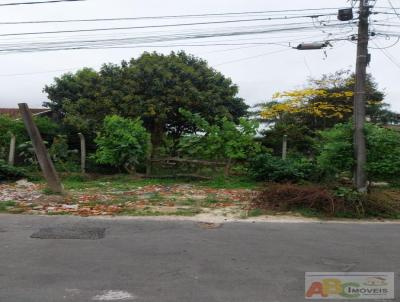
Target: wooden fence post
284,147
11,154
83,153
41,152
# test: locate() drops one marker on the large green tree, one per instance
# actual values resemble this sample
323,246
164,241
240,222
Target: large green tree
153,87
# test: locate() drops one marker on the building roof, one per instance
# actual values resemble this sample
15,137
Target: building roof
393,127
14,112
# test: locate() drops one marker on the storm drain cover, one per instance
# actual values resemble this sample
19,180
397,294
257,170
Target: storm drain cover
84,233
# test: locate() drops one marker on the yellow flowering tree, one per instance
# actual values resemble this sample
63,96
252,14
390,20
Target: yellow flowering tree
315,102
321,104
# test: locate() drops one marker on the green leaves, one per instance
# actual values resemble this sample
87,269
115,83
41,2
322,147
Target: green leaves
267,167
336,149
8,172
122,143
152,87
383,159
223,140
8,126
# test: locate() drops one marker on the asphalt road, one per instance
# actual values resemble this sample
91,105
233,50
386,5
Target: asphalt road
178,261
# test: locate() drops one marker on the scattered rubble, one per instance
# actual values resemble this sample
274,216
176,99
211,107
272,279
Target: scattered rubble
21,191
182,199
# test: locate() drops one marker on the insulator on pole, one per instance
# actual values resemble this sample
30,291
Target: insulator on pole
311,46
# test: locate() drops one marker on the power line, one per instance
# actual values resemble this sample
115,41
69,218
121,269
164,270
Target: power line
132,27
385,7
394,9
179,36
387,55
130,42
36,2
196,30
142,42
74,68
390,46
287,17
156,37
252,57
156,46
220,31
39,72
88,44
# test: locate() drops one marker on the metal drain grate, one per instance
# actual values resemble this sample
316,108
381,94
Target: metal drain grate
83,233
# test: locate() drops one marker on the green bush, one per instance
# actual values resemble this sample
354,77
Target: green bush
335,150
8,172
383,157
267,167
122,143
383,153
8,126
223,141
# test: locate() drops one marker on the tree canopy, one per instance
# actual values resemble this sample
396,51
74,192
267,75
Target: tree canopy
325,102
153,87
321,104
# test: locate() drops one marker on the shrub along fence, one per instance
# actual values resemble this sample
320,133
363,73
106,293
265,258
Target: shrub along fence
180,167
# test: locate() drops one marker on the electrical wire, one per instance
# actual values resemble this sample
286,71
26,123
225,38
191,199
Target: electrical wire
390,46
121,42
251,57
131,27
155,46
38,2
151,37
135,40
394,9
39,72
286,17
388,55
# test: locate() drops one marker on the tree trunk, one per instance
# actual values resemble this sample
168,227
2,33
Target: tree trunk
83,152
130,169
157,135
227,169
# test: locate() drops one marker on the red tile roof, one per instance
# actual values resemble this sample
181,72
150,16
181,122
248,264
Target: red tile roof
14,112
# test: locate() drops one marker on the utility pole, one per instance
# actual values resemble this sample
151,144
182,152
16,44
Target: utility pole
11,154
42,155
360,149
284,147
83,153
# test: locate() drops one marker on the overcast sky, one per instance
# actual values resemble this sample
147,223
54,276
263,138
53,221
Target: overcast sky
258,70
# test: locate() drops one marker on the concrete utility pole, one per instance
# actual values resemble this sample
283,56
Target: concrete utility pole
284,147
83,152
43,156
360,149
11,154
